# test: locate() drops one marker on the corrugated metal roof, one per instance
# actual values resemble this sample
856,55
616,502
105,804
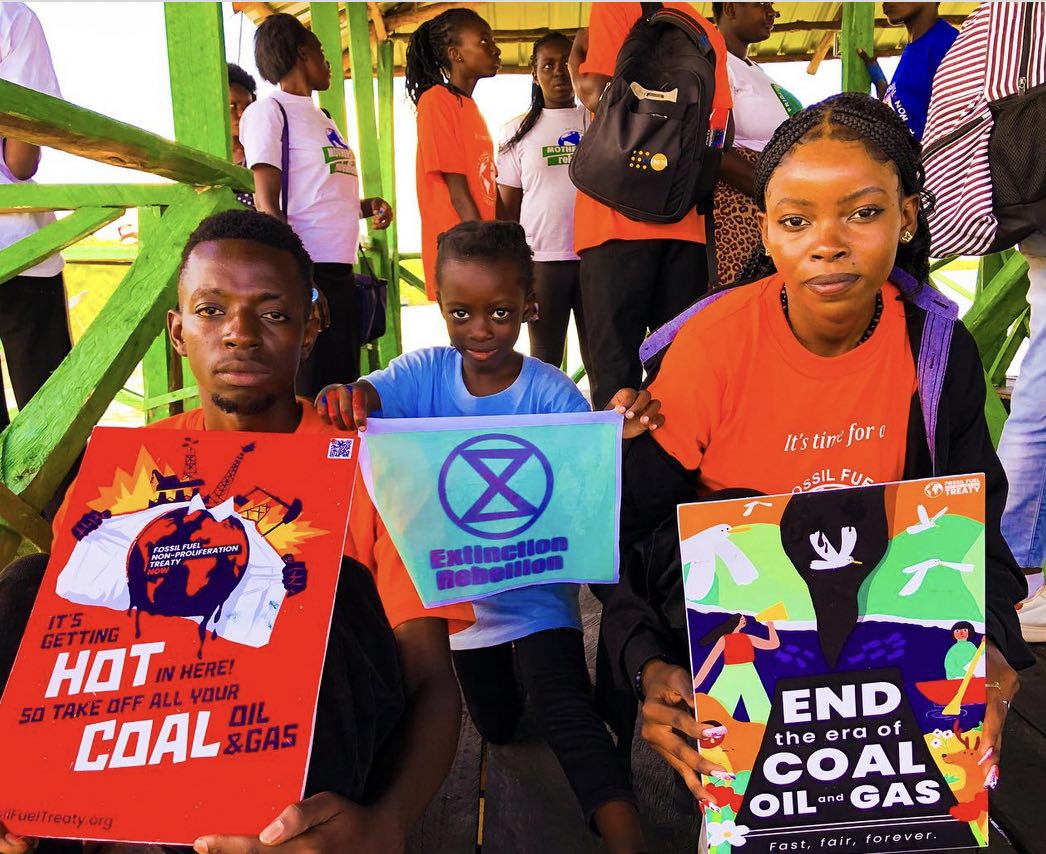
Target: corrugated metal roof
800,29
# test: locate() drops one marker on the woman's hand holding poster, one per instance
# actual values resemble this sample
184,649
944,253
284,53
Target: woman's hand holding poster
837,647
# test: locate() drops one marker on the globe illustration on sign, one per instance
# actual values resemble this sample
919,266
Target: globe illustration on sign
495,486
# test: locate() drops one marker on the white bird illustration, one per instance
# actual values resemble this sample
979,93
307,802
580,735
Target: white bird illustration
751,505
830,558
918,572
701,551
925,520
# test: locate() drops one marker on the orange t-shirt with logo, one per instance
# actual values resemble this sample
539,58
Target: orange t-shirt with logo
751,407
366,541
608,27
452,138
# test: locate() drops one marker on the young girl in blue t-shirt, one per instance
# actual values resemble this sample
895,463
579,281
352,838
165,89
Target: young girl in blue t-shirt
484,274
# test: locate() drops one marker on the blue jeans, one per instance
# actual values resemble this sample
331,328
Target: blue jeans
1022,448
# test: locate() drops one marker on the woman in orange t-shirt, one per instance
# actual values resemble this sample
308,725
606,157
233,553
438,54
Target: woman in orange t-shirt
806,380
446,57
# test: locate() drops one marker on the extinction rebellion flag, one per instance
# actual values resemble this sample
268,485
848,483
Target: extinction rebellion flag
476,506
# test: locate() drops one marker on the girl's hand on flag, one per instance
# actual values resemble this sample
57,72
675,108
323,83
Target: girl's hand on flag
641,411
347,406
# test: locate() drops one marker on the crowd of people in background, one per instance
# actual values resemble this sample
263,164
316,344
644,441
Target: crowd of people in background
822,234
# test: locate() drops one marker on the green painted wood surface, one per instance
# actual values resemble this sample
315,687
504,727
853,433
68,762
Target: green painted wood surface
858,32
43,120
110,253
390,344
161,366
327,28
41,443
31,250
27,198
363,93
199,76
998,305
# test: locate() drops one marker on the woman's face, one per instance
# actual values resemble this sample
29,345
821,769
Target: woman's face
476,50
834,216
317,68
552,74
741,623
239,100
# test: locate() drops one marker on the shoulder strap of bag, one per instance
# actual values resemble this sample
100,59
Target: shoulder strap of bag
651,9
285,161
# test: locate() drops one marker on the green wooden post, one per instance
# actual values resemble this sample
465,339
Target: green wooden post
199,76
31,250
327,28
370,167
858,32
390,344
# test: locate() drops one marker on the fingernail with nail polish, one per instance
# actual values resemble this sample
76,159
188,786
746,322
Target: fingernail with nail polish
993,778
987,756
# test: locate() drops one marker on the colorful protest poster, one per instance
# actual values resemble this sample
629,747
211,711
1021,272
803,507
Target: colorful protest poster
837,647
167,681
477,506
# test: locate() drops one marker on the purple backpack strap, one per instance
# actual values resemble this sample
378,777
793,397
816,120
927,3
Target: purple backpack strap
661,337
936,343
285,161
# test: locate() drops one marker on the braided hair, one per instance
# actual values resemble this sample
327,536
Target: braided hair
489,241
852,117
537,97
428,61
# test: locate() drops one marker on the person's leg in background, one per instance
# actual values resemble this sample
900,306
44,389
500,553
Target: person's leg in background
682,280
555,675
34,329
554,286
336,356
618,280
492,693
1022,450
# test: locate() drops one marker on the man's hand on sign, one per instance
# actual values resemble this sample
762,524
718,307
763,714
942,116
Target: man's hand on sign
641,411
323,824
668,718
11,844
347,406
1002,684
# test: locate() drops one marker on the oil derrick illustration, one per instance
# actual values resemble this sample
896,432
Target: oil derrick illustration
218,495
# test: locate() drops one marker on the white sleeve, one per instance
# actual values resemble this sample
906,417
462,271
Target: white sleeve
261,133
510,171
25,58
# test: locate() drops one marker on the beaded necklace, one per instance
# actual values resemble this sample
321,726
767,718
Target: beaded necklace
876,315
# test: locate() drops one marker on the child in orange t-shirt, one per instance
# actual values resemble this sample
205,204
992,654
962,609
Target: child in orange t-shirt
446,57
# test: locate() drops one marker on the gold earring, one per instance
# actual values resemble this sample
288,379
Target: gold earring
907,236
766,252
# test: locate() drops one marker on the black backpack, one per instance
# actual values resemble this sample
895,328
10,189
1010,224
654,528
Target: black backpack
653,151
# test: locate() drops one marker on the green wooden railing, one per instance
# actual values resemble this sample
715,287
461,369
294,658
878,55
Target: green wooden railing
45,438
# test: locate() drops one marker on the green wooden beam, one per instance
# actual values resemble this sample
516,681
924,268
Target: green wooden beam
27,521
858,32
31,250
43,120
997,307
44,439
327,28
390,344
28,198
161,366
363,92
199,76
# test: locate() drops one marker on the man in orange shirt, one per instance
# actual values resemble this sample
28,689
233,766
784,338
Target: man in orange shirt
634,275
389,709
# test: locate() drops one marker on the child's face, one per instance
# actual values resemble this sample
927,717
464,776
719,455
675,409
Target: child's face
484,305
476,50
834,218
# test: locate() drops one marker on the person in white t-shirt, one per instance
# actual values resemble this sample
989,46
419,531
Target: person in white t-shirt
319,197
536,191
34,320
760,105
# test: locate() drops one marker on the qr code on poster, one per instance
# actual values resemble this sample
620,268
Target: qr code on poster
340,449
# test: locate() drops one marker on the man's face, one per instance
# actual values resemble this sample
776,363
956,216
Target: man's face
243,323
